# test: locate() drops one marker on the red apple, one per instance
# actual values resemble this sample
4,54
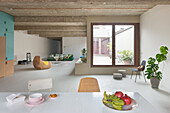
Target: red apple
119,94
126,99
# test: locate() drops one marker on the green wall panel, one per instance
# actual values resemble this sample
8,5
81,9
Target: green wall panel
2,29
9,46
7,30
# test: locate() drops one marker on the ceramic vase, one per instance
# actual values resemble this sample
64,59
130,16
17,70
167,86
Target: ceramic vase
155,82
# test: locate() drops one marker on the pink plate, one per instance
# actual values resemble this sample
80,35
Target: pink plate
35,104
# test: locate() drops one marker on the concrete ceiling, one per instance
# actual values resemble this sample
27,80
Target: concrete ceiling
59,18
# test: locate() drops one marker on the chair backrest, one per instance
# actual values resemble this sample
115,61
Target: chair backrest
36,61
88,85
143,63
40,84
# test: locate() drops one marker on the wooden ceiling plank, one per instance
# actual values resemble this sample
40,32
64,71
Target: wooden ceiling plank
51,28
58,33
49,19
50,24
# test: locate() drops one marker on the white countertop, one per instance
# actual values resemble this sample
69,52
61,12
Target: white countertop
72,103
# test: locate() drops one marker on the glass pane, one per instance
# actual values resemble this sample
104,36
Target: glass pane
124,43
102,44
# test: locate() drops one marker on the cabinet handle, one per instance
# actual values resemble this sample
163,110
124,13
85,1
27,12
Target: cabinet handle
4,34
6,62
6,58
4,22
6,29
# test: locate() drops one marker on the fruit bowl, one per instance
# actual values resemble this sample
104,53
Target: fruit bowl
124,107
122,104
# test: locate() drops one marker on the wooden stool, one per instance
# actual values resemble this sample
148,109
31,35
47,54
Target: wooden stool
88,85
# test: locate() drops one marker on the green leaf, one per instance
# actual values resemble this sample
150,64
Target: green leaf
164,50
159,73
160,57
149,70
151,60
152,67
148,77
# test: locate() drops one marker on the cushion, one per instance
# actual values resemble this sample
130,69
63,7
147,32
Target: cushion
117,75
45,62
140,68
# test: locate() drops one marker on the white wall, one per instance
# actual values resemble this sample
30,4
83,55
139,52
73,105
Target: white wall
38,46
73,45
85,68
155,32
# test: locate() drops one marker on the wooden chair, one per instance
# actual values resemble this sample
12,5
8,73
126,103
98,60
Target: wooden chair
88,85
40,84
39,64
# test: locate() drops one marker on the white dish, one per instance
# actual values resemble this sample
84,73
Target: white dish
36,97
37,103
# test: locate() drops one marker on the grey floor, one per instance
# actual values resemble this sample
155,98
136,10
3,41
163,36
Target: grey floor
64,80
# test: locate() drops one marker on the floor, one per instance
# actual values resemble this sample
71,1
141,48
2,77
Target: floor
64,80
106,60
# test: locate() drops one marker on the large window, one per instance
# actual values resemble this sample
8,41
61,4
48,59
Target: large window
115,44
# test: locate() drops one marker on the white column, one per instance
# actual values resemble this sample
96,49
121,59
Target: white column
100,46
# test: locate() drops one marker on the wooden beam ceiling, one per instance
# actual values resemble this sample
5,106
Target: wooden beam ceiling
52,26
78,7
68,17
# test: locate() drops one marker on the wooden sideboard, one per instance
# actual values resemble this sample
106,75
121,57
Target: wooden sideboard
2,55
6,67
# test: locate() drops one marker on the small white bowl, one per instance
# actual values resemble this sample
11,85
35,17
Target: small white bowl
36,97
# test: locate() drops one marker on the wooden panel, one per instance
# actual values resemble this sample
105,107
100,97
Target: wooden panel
2,56
9,67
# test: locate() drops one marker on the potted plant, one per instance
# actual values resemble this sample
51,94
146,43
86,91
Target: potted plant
83,51
83,57
152,72
126,56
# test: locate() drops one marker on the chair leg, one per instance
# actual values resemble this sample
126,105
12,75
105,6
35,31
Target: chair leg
131,75
144,76
136,76
139,74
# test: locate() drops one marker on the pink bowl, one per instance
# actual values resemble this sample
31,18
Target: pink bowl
36,97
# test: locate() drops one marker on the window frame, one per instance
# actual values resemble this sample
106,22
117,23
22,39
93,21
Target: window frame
136,44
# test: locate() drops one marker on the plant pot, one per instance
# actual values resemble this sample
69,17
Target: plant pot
154,82
126,62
